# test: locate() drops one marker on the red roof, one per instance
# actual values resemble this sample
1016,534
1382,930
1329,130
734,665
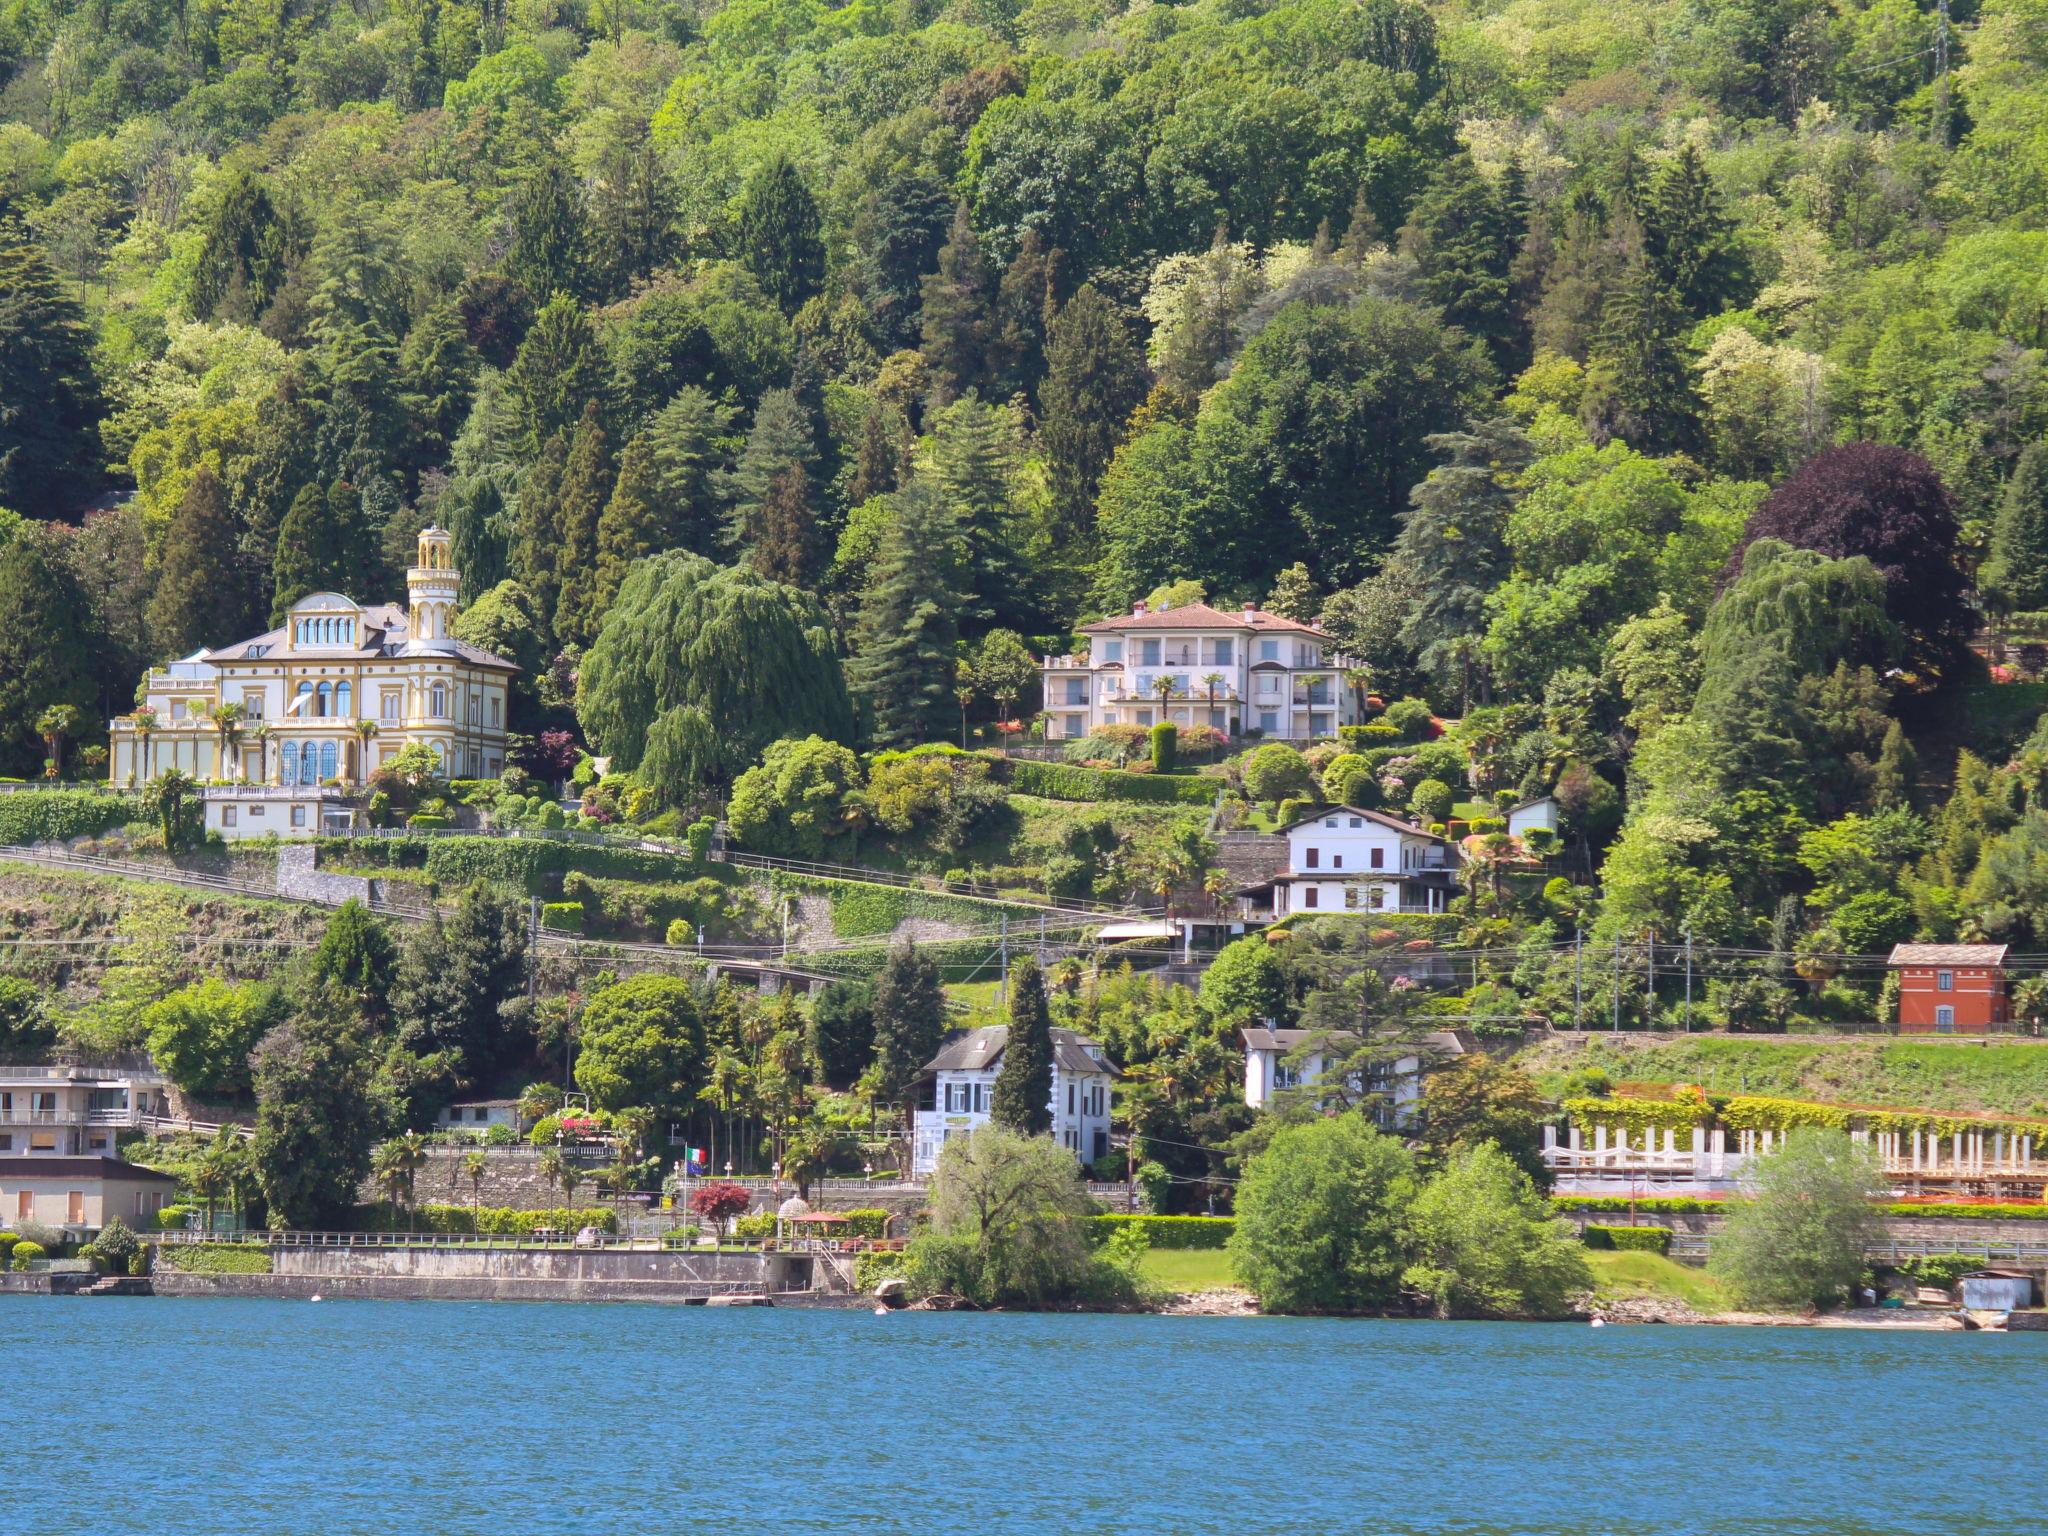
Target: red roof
1198,616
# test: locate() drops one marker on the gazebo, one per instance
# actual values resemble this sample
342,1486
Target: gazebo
807,1231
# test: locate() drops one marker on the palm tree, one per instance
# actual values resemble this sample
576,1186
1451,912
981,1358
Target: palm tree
474,1164
964,690
261,736
53,725
213,1174
1213,682
1359,681
391,1170
366,731
634,1127
552,1168
145,721
571,1177
227,719
1163,686
92,759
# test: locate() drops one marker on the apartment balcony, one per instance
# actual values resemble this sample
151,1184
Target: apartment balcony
113,1117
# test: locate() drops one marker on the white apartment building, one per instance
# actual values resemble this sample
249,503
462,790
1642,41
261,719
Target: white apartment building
1342,858
1240,671
962,1080
73,1111
1277,1060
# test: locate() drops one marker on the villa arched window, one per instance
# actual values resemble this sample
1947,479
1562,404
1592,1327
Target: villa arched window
326,704
309,763
304,708
287,766
326,761
344,701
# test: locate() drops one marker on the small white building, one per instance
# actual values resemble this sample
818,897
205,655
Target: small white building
962,1080
477,1117
1531,814
1240,671
1276,1060
1341,858
81,1194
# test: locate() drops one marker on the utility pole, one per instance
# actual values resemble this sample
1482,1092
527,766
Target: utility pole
1003,975
1650,981
1688,978
1617,983
1941,73
1578,977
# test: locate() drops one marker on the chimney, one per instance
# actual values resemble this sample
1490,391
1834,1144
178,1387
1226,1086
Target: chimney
1249,610
1138,607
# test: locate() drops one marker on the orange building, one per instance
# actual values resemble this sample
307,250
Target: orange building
1951,989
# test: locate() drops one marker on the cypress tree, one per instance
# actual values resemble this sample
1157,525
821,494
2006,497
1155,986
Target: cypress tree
586,488
910,1018
956,319
1454,540
878,464
771,518
909,628
321,546
1094,379
44,644
49,401
1025,304
1896,783
778,234
2014,578
198,577
550,247
534,523
687,442
1022,1098
632,525
786,541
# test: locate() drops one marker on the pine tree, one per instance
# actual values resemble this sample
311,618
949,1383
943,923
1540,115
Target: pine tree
633,210
957,317
897,234
1896,783
198,576
322,546
2014,577
879,464
437,371
632,526
778,234
1025,304
550,246
910,1018
559,369
535,519
1454,542
909,630
586,488
1295,594
1022,1098
688,442
49,401
1464,238
363,429
242,261
974,460
45,646
1690,240
1094,379
280,463
773,520
1640,365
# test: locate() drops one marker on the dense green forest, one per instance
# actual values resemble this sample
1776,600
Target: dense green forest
1655,388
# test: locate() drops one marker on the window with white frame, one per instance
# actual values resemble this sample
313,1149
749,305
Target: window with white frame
1944,981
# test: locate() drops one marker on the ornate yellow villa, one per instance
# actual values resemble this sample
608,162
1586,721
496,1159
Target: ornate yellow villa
326,700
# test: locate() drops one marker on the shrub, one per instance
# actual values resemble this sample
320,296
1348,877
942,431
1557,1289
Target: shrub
1639,1239
59,815
217,1258
1485,825
113,1248
7,1242
1165,746
871,1223
26,1252
1431,800
752,1228
697,838
1171,1231
172,1218
562,916
485,1221
1939,1269
1068,781
1290,810
1410,719
871,1269
1276,771
1157,1185
425,822
1110,1167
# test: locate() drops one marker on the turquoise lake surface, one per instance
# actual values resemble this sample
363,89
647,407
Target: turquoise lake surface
214,1416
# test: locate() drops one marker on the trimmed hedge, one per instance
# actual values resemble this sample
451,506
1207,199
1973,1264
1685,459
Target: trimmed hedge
215,1258
1638,1239
25,1253
860,910
872,1223
58,815
1170,1231
488,1221
562,916
1664,1205
1070,781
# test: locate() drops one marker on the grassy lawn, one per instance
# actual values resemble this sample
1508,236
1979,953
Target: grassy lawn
1638,1274
1190,1269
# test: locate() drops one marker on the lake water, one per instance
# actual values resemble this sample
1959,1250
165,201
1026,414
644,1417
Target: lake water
211,1416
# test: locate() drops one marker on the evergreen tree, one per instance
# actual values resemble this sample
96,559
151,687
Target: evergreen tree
1639,362
1094,379
842,1031
49,401
316,1116
559,369
198,575
778,234
363,429
45,648
550,247
242,259
1690,240
279,465
1454,542
2014,576
586,488
632,526
1295,595
536,518
910,1018
1022,1098
878,466
633,210
772,518
1464,237
688,443
974,458
897,234
437,371
786,542
455,979
957,315
322,546
1896,783
357,959
1026,301
907,639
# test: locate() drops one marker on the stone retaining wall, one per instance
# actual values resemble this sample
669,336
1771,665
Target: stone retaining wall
1901,1229
298,877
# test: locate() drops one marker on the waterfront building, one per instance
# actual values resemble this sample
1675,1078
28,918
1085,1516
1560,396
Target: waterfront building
81,1194
1342,858
478,1117
1242,672
1276,1060
326,699
1951,989
957,1084
58,1111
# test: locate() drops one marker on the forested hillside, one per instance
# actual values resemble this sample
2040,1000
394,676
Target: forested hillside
1656,386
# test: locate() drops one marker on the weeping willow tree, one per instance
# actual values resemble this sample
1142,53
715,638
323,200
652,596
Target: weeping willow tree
699,666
